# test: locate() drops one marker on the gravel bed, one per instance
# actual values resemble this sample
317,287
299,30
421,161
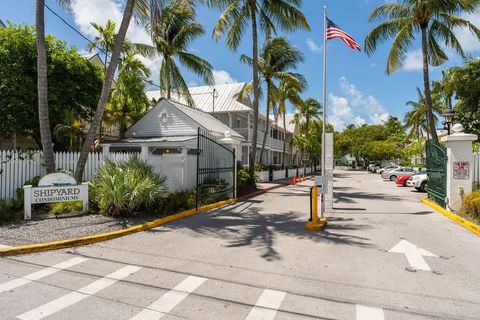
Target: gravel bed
51,228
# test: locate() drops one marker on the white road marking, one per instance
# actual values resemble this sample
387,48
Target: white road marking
74,297
369,313
267,305
169,300
413,254
4,246
40,274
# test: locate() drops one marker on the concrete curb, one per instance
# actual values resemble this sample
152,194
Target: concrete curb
75,242
81,241
452,216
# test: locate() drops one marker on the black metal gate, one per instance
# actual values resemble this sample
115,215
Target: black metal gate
436,171
215,170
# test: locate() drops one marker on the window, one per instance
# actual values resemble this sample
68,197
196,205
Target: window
238,123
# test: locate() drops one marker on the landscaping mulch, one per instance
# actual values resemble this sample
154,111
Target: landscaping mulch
46,229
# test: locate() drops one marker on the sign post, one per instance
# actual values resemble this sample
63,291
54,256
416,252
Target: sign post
55,187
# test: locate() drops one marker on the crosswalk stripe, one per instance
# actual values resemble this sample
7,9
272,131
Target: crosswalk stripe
40,274
369,313
169,300
74,297
267,305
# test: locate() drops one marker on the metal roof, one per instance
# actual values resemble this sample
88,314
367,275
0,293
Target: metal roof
289,122
206,120
203,97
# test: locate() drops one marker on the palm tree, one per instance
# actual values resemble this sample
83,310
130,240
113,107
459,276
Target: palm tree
107,85
233,23
287,90
434,20
276,58
446,87
128,101
416,119
105,39
171,35
42,85
307,111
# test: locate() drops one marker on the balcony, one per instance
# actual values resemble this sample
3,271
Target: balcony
271,142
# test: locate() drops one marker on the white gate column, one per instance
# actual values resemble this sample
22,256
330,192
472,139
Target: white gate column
459,166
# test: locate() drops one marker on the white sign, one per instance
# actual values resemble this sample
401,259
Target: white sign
322,183
413,254
54,194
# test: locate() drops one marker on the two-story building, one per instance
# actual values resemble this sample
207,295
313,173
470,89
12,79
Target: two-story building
222,102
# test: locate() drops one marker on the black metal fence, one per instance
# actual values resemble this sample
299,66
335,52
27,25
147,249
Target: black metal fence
215,170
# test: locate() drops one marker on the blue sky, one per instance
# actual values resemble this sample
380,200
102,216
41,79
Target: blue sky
359,91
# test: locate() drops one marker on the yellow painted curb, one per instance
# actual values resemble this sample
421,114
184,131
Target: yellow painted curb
75,242
452,216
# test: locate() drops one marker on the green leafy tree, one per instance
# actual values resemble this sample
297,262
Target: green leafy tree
268,15
171,36
434,20
466,83
128,101
74,84
276,58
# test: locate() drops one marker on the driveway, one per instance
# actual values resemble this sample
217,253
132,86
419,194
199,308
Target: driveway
384,255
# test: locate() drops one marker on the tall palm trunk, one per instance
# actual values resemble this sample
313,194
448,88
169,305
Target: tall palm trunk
284,138
107,86
42,89
267,115
256,88
426,84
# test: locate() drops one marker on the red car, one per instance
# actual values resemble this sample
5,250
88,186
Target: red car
402,180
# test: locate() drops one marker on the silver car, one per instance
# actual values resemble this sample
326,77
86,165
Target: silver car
393,174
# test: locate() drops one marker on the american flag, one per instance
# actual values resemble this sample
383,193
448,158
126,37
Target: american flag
333,31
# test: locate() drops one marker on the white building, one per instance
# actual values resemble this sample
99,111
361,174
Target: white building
222,102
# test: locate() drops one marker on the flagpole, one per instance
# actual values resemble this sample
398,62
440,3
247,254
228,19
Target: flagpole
324,104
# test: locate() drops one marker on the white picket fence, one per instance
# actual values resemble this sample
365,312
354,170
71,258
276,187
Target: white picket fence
16,168
476,170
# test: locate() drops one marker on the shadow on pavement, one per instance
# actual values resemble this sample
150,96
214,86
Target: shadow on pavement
251,227
351,197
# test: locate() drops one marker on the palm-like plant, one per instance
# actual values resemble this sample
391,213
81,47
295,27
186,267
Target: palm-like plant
416,119
307,111
287,90
434,20
128,101
171,35
446,86
266,14
276,58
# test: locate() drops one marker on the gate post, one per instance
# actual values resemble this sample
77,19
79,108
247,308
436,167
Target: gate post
459,166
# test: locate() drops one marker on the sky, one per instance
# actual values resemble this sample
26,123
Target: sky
358,89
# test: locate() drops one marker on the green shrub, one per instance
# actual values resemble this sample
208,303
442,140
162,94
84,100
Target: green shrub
10,212
178,201
471,204
125,187
65,207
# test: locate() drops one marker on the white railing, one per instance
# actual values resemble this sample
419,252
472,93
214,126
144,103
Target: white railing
16,168
263,176
271,142
476,170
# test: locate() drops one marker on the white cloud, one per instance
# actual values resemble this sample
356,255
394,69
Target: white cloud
222,77
413,61
354,107
467,39
100,11
315,48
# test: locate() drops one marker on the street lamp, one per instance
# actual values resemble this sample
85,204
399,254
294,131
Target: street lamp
449,114
214,95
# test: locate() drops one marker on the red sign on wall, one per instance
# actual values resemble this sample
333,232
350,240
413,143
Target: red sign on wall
461,170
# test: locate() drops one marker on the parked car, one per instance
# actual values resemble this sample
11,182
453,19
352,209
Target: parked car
418,181
402,180
393,174
388,168
374,167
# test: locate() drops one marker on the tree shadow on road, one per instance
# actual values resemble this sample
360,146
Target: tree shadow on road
353,197
252,227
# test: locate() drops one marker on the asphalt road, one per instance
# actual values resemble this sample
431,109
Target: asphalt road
384,255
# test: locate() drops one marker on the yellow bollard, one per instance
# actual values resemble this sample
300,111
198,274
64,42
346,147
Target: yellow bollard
315,224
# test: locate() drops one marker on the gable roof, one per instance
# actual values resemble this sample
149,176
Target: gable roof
290,126
183,120
203,97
